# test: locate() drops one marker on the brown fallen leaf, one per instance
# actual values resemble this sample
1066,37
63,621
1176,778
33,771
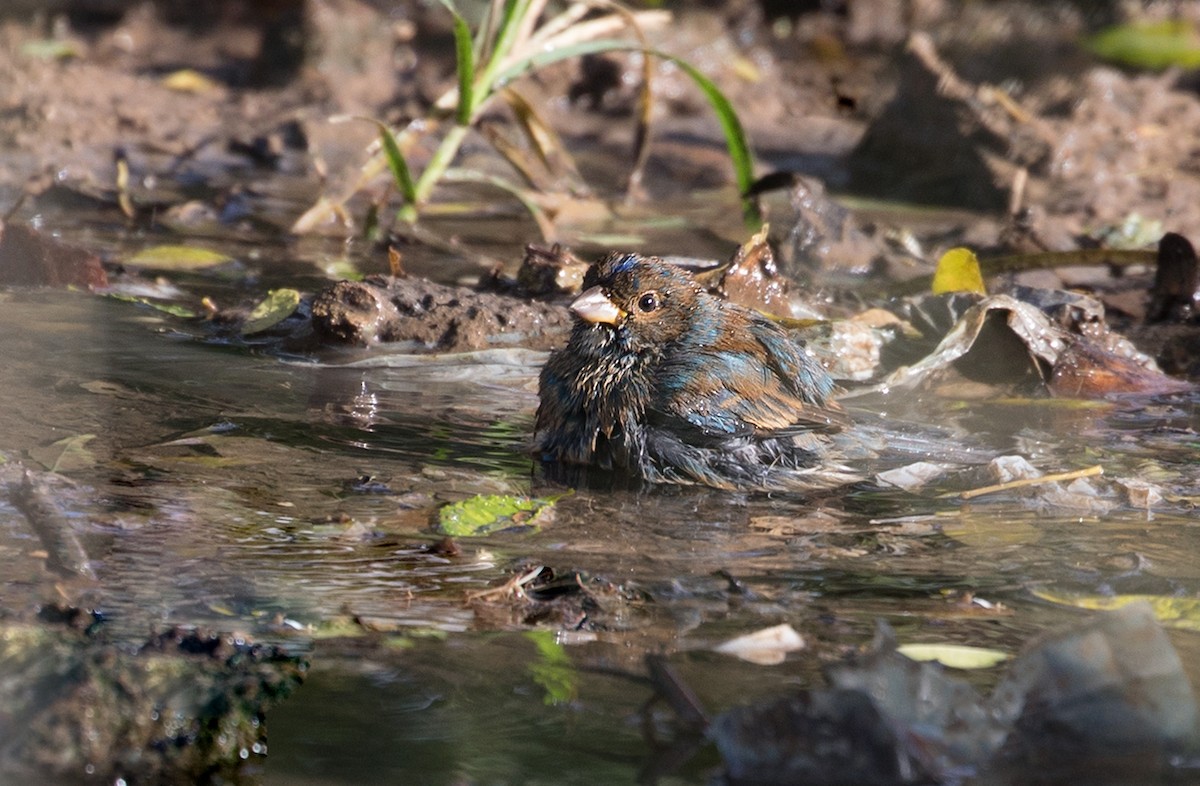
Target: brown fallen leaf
1084,369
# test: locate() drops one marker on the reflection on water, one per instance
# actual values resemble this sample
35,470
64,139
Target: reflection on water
245,492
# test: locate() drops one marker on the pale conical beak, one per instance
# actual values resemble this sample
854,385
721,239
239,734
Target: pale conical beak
594,306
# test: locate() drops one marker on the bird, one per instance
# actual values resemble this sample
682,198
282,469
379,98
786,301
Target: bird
663,382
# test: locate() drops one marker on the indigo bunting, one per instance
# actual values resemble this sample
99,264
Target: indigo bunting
664,382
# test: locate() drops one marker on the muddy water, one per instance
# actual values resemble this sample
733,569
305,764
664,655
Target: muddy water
284,497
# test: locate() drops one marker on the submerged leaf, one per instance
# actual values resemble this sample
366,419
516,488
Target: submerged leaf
177,258
1169,610
958,271
278,305
489,513
166,308
65,455
765,647
954,656
553,669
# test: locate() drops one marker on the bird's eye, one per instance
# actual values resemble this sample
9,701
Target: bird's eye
648,302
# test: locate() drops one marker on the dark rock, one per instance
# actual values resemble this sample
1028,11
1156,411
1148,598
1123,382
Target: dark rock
186,707
30,259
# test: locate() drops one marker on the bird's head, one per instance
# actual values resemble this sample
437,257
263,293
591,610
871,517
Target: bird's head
647,300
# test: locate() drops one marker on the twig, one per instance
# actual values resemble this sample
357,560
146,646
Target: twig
1014,484
515,585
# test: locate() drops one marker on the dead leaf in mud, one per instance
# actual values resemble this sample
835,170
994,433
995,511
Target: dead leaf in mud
1087,370
177,259
765,647
954,656
550,270
66,455
1003,340
752,278
278,305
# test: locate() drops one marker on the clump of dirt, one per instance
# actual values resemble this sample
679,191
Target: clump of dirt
437,317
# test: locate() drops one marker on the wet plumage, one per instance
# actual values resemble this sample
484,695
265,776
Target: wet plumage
662,381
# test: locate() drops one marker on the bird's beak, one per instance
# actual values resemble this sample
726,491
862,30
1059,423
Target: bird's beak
594,306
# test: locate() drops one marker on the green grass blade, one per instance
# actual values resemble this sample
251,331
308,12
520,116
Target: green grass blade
394,157
396,163
731,126
464,56
507,30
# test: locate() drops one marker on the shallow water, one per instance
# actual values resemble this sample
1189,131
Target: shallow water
222,486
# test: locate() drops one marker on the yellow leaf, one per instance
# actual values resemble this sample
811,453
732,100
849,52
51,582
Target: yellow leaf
954,656
187,80
177,258
1169,610
958,271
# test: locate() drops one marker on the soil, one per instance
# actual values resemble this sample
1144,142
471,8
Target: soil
164,121
995,107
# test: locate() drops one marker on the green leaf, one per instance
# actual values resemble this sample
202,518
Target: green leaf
278,305
553,669
166,308
464,57
1153,45
489,513
50,49
954,656
958,271
178,258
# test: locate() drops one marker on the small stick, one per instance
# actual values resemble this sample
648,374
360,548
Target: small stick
1014,484
515,585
